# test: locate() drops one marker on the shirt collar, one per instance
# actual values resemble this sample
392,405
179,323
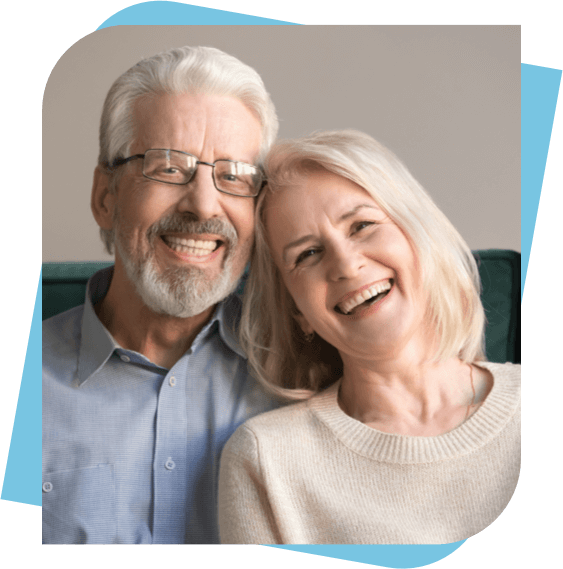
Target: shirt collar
97,344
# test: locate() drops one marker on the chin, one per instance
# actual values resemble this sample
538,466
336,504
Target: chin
181,292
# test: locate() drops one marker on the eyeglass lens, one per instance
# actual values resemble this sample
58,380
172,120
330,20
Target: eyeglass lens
173,167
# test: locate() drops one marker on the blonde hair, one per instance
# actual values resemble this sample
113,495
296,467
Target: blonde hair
278,352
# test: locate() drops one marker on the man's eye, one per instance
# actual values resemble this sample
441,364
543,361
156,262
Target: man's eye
230,178
165,171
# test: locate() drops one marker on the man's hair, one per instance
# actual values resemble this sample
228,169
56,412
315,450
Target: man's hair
193,70
278,352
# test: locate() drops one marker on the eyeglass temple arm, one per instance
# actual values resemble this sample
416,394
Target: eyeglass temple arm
120,161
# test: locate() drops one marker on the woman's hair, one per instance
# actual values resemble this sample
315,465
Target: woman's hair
180,70
278,351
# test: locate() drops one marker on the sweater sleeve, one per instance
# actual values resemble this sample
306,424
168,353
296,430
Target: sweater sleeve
245,514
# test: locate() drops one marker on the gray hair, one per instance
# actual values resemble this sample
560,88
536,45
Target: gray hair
180,70
278,352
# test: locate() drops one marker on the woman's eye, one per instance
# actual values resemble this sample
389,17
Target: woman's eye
362,225
305,255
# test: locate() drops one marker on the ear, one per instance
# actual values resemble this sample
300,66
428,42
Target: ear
102,201
304,323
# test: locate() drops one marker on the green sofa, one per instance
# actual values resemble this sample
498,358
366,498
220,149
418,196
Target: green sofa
64,285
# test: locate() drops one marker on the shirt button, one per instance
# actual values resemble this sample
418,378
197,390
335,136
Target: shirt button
125,358
47,487
172,381
170,464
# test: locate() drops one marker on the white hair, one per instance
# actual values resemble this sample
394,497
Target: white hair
180,70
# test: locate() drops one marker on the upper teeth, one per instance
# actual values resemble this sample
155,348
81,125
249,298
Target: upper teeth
349,305
190,245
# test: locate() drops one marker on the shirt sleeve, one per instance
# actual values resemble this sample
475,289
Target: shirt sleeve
245,513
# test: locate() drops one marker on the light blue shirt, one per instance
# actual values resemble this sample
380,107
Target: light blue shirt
131,449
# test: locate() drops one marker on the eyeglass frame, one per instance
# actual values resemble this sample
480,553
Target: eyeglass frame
121,161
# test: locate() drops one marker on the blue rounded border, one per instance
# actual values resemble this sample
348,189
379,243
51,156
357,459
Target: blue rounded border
174,13
540,88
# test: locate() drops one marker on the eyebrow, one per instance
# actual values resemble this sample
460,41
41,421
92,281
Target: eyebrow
306,238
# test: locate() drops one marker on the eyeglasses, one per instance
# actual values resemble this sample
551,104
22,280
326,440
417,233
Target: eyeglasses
178,168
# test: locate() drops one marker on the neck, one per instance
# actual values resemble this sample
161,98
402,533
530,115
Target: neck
162,339
412,395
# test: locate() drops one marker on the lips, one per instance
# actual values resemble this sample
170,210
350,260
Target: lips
366,296
189,237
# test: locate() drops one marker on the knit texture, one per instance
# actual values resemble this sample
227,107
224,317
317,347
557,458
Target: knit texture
309,473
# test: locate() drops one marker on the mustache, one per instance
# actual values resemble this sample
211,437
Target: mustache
178,223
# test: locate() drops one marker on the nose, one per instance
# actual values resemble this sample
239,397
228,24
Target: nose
201,198
344,263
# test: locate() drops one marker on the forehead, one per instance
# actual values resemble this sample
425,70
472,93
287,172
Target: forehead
197,123
316,193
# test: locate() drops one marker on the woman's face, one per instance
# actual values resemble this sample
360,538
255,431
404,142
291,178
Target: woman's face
349,268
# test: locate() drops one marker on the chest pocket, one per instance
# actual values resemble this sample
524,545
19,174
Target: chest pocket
79,506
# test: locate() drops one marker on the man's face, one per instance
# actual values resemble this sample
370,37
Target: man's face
185,247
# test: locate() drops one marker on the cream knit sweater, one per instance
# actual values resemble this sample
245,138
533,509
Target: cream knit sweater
309,473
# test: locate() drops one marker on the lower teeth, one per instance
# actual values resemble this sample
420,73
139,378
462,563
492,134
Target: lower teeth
369,301
374,298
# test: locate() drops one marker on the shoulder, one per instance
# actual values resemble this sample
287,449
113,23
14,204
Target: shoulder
60,357
277,418
269,429
506,368
62,330
507,373
501,408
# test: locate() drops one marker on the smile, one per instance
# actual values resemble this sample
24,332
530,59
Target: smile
195,247
364,298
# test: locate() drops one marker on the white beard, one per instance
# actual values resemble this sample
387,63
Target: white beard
184,291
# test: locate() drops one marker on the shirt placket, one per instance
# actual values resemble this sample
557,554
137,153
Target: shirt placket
170,458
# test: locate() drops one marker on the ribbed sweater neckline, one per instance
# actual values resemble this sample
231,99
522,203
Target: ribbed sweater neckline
485,424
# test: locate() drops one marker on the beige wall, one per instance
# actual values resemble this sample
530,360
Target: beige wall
445,99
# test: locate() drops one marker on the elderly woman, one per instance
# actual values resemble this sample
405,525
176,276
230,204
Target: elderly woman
363,302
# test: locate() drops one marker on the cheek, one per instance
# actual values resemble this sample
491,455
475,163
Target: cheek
397,251
131,222
308,294
137,209
242,218
295,289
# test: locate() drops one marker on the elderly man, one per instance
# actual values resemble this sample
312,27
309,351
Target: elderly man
145,382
